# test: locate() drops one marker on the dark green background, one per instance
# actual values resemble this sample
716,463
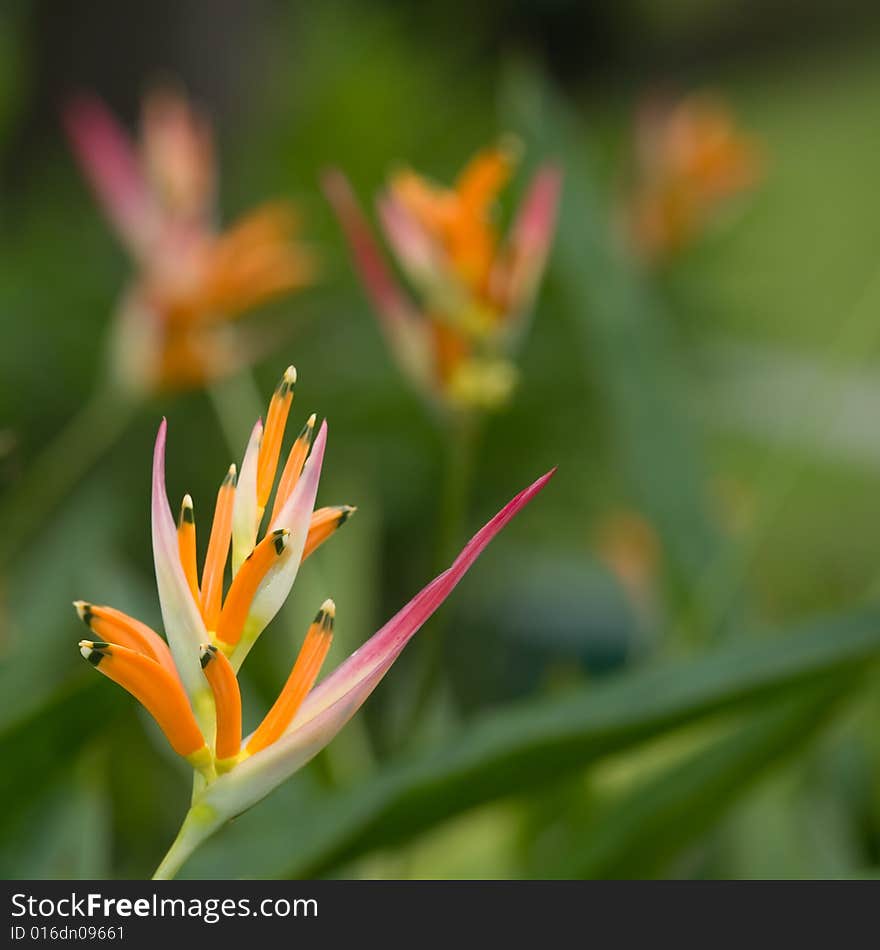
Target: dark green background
556,748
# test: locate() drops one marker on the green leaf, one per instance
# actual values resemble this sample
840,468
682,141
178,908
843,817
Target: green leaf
809,819
37,748
536,742
65,832
638,836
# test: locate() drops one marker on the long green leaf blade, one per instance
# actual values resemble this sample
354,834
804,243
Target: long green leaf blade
639,835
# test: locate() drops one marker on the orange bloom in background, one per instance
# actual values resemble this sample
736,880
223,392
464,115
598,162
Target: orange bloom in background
690,159
175,325
474,284
630,548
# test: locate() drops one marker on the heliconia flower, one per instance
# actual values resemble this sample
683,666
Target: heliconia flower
690,158
189,683
175,326
472,288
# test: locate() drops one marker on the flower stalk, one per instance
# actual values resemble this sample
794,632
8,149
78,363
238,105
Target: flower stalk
200,823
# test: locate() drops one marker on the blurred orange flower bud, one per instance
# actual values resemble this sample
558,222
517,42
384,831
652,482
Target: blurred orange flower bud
690,158
474,286
630,548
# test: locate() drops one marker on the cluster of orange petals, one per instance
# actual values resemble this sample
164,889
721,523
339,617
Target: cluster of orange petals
191,280
138,659
224,277
470,282
460,220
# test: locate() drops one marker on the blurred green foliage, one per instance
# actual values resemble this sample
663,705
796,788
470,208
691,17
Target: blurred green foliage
714,734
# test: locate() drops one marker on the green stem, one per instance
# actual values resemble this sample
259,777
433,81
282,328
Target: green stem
61,464
462,438
199,824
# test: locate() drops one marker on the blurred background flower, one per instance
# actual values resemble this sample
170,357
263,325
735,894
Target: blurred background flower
475,288
666,668
175,324
690,159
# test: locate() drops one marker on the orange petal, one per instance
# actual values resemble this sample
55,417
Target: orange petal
302,677
227,700
324,522
484,176
293,468
244,585
116,627
186,543
273,435
218,551
157,690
